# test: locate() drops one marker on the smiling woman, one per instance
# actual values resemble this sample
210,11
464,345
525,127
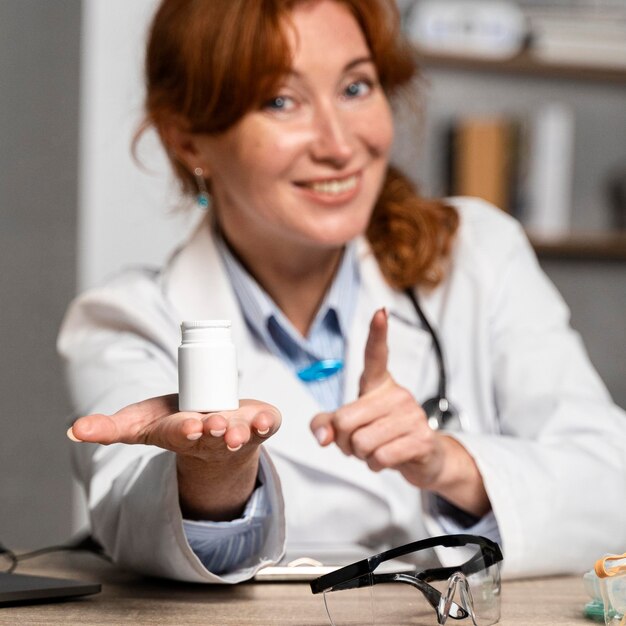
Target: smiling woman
320,253
210,88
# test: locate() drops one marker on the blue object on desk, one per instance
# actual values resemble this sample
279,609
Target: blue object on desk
320,370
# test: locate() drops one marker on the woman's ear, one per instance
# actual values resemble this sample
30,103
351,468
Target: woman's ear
183,145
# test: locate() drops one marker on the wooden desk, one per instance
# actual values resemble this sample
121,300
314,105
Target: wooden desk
128,599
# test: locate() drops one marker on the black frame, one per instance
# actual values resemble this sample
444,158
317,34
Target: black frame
362,574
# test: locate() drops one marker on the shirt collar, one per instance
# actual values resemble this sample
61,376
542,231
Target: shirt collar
258,307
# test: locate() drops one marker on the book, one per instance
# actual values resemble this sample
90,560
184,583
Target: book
585,36
481,159
550,170
596,53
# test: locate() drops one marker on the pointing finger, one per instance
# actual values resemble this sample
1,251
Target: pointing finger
376,354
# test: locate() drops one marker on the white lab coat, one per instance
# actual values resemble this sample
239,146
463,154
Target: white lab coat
549,442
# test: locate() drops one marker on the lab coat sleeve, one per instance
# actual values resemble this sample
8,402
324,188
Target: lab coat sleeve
116,345
556,473
445,518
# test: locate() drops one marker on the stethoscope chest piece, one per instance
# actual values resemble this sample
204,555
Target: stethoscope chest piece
441,414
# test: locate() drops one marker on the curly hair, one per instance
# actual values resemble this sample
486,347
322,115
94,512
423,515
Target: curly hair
210,63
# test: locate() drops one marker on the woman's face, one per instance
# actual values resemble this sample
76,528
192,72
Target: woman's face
307,167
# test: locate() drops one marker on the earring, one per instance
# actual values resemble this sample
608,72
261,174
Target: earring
203,192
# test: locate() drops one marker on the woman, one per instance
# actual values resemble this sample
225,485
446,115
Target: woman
309,245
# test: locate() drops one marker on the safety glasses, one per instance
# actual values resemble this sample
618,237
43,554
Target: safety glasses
456,576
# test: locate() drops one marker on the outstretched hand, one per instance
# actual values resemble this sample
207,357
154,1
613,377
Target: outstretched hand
217,454
158,422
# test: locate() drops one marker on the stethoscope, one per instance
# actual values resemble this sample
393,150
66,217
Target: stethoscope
439,410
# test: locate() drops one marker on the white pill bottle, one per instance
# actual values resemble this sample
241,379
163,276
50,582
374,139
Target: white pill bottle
207,367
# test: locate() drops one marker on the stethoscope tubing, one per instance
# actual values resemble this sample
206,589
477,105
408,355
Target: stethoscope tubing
442,387
439,410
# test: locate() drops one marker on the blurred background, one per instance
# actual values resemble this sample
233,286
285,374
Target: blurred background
523,103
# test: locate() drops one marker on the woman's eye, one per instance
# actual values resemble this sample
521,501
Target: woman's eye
280,103
357,88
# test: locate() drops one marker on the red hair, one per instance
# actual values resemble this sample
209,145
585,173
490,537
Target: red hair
209,62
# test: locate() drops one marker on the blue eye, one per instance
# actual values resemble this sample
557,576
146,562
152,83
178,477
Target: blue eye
357,88
280,103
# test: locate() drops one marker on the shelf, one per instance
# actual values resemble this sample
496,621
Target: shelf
525,64
589,247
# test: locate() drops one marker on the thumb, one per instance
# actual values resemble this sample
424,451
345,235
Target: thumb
322,428
376,354
128,425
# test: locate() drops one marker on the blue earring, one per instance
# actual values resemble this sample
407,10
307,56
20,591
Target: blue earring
203,192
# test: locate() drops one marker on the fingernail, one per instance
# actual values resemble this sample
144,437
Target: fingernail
70,435
385,312
194,436
321,433
218,433
263,432
235,449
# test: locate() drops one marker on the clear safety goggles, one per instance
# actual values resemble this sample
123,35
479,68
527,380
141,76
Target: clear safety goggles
453,576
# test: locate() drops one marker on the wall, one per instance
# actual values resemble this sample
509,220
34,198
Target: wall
39,70
596,294
129,208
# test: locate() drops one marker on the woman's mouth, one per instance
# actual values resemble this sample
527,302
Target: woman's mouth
332,187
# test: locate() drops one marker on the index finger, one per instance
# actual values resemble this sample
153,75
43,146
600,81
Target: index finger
376,354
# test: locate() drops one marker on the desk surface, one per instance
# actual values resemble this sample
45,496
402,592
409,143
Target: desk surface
128,599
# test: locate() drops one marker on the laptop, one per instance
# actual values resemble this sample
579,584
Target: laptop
25,589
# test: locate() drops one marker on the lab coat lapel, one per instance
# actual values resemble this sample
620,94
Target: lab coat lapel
197,284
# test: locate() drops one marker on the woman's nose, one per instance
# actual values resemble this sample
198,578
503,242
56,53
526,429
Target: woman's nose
332,141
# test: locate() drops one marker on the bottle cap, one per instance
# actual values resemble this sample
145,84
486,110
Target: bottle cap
185,325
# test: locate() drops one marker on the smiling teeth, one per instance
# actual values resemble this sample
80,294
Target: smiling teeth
334,187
